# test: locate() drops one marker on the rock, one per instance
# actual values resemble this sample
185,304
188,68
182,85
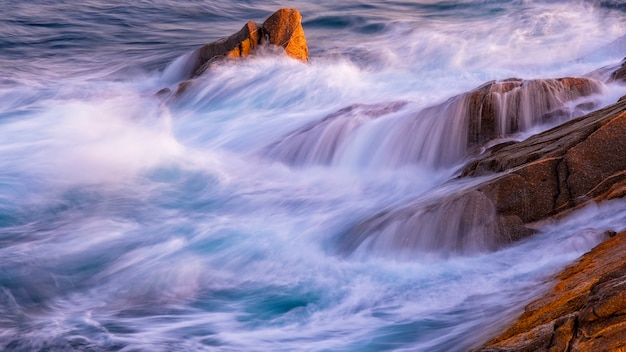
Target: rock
547,174
443,134
240,44
283,29
560,169
584,311
453,225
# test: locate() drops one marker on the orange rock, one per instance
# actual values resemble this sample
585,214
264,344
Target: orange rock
240,44
284,29
584,311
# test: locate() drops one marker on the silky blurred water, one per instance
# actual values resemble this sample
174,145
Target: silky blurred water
129,223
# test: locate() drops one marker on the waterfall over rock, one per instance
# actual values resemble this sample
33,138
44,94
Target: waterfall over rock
443,134
550,173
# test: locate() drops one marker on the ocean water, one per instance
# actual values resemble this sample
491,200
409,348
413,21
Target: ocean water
214,222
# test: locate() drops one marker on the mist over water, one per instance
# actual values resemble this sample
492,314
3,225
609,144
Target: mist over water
129,223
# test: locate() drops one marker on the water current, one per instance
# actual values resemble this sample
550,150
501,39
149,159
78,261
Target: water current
214,222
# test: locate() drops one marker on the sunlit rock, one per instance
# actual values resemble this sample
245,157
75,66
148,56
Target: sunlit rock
240,44
284,29
584,311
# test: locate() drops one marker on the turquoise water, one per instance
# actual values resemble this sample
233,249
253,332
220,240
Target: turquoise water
132,224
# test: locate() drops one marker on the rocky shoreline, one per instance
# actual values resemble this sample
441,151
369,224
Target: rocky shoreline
584,311
544,177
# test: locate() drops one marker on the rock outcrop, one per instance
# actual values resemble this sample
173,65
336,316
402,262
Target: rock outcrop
584,311
548,174
559,169
282,29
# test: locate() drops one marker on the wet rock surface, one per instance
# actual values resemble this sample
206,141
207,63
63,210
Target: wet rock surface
443,134
559,169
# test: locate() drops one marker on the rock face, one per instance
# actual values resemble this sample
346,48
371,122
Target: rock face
560,168
584,311
240,44
282,29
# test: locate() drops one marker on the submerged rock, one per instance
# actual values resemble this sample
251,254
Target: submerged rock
584,311
461,224
319,142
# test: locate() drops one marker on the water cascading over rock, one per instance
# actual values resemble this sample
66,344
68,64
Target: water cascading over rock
455,225
318,142
440,135
546,175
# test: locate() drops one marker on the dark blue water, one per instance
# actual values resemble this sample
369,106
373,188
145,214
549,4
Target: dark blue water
132,224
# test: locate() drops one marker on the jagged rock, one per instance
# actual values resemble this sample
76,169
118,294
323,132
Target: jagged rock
584,311
547,174
559,169
283,28
240,44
